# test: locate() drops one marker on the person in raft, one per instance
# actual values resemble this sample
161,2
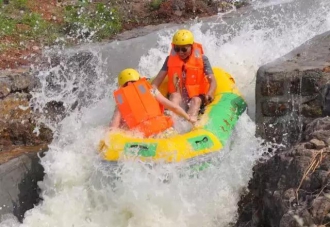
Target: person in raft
139,106
191,81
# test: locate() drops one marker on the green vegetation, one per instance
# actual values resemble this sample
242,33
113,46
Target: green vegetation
86,20
26,26
18,23
155,4
37,25
20,4
239,4
7,25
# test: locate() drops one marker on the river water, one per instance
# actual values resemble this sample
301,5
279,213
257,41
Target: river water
77,190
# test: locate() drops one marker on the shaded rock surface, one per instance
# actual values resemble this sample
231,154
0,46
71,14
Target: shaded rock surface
19,191
288,91
17,120
292,188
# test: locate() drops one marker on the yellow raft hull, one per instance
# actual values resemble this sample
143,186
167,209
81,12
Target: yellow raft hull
208,136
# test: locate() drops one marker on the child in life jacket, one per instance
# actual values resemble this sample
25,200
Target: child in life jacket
139,106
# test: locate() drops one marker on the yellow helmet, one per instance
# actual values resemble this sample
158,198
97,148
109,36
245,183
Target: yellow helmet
128,75
183,37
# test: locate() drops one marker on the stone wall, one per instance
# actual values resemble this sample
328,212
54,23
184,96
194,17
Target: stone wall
287,91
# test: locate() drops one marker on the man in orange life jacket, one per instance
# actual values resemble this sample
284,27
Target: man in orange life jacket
141,106
191,81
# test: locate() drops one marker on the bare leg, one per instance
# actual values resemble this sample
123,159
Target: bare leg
176,98
194,106
179,125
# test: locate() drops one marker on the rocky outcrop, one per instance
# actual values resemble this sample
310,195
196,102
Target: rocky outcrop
19,190
292,188
287,91
17,120
20,147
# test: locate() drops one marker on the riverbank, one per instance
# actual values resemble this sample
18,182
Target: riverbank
28,27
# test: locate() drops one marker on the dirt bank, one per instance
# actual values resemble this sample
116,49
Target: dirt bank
28,26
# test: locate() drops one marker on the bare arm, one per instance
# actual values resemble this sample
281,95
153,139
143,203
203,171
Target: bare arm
210,77
213,85
161,75
115,120
159,78
173,107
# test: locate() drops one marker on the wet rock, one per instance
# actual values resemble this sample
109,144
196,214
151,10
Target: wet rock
292,187
320,208
322,135
297,219
5,88
17,120
15,81
317,144
275,108
288,92
311,109
15,106
319,178
319,124
178,13
19,180
325,165
179,5
289,194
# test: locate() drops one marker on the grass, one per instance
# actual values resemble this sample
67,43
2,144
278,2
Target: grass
28,23
82,20
20,4
7,25
96,21
17,20
155,4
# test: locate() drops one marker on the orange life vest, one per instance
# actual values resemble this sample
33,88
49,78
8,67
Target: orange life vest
196,82
140,110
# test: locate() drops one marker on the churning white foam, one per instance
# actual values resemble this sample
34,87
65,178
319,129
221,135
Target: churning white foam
81,190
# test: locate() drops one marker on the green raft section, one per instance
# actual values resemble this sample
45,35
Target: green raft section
224,115
209,135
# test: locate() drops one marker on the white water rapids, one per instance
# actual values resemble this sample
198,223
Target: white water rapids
76,191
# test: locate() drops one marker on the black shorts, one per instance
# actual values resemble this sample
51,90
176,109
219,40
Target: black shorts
203,104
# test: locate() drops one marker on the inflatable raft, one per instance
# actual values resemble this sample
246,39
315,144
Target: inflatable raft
209,135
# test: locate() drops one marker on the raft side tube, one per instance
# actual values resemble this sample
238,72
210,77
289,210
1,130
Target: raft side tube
209,135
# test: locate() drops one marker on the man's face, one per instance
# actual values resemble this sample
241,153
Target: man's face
183,51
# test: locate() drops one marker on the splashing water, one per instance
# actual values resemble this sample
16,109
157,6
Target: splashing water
79,191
